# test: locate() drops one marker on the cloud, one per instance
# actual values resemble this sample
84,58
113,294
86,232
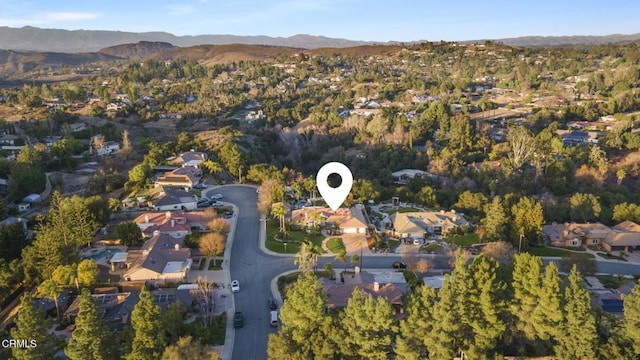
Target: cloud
179,9
48,18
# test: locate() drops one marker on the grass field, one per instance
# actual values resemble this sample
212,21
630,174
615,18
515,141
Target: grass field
215,264
336,245
293,241
463,240
554,252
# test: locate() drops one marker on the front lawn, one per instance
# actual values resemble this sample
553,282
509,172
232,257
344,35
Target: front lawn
611,256
203,262
463,240
215,264
336,245
293,241
553,252
611,281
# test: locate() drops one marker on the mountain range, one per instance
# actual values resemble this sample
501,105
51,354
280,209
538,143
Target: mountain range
30,38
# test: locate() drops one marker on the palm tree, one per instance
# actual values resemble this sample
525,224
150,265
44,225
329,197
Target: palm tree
279,211
313,252
621,174
302,258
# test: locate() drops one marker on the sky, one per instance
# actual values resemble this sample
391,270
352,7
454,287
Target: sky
381,20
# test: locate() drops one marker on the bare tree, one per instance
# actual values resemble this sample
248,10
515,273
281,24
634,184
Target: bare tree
500,251
522,146
422,266
205,296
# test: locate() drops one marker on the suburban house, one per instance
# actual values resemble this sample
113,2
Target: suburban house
117,306
176,224
191,158
348,221
622,237
104,147
168,198
424,224
185,177
161,258
391,286
401,177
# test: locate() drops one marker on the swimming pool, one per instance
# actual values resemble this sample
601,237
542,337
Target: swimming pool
107,253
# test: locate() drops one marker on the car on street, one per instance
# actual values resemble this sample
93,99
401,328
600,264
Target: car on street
399,265
200,186
272,304
202,203
274,318
238,320
235,286
216,196
217,203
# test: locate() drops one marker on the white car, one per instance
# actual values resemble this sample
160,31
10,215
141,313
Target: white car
235,286
216,197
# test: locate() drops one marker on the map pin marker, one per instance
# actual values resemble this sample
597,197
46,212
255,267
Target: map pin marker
334,196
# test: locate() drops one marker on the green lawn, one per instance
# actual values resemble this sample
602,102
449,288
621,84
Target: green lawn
611,282
611,256
215,264
336,246
463,240
293,241
552,251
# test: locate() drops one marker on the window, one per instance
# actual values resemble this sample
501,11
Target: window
575,242
594,242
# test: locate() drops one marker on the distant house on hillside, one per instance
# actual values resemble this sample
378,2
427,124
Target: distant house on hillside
191,158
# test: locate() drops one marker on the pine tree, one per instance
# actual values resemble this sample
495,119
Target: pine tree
32,325
306,331
631,323
449,334
418,321
186,348
527,281
547,316
495,221
485,311
91,338
148,340
369,325
579,337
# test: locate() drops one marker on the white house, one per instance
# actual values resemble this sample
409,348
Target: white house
109,148
175,199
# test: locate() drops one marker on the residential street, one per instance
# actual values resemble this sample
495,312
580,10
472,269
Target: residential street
251,264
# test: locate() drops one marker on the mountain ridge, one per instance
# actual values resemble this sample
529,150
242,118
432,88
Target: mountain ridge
31,38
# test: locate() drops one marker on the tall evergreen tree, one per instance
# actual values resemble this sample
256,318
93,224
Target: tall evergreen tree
369,325
412,342
306,331
528,218
495,222
579,337
485,311
547,316
526,284
91,338
631,323
32,325
148,340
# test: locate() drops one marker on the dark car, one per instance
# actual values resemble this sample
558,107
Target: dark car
272,304
238,320
399,265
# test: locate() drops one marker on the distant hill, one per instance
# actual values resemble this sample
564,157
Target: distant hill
31,38
138,50
563,40
16,62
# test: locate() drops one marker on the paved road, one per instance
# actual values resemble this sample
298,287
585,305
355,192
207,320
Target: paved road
255,270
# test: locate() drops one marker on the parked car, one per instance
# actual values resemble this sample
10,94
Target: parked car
274,318
217,204
272,304
399,265
216,196
238,320
235,286
200,186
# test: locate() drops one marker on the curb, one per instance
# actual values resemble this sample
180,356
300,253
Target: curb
229,338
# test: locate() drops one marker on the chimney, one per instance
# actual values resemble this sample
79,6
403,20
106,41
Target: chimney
167,215
376,286
176,247
146,218
173,223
